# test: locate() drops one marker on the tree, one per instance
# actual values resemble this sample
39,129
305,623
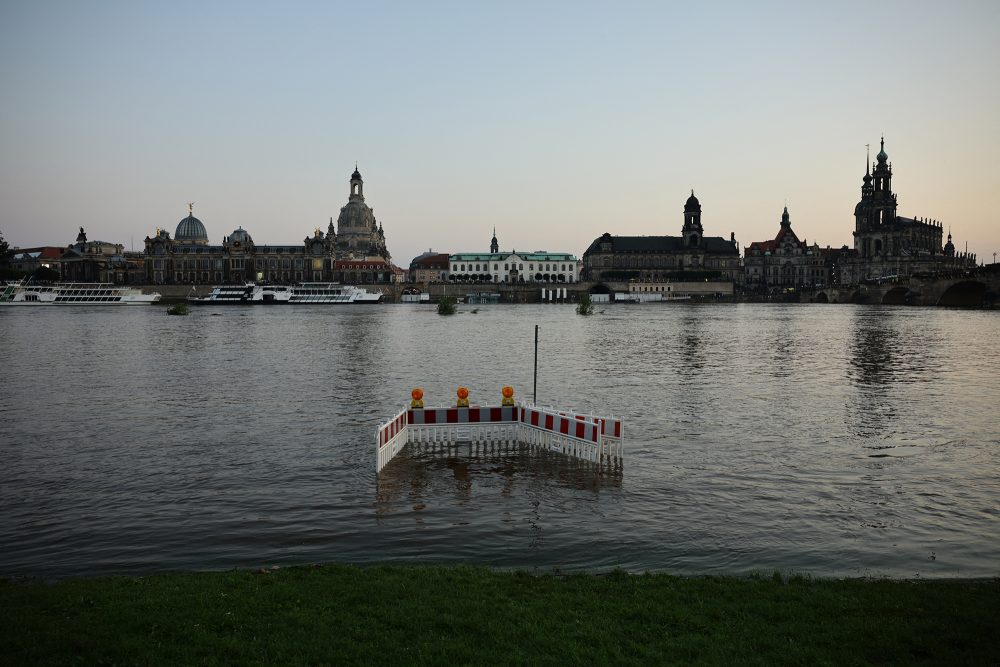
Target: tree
4,247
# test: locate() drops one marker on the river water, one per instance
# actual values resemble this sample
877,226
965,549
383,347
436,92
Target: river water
830,440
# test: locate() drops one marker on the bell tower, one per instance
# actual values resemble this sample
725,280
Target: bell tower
357,186
883,207
692,230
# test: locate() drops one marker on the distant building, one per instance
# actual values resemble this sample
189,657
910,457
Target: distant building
358,234
784,261
100,262
659,259
29,260
188,258
363,271
889,245
429,267
513,266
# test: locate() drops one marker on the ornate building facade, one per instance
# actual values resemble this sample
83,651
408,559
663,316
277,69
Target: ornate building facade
784,261
888,245
658,259
354,252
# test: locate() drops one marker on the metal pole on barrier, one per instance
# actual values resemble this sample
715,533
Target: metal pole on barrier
535,392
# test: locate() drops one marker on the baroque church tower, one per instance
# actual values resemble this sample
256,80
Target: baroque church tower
358,236
692,230
877,209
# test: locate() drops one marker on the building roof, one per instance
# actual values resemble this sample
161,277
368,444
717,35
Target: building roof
190,229
713,245
430,259
538,256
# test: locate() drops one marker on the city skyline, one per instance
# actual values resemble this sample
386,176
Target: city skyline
553,127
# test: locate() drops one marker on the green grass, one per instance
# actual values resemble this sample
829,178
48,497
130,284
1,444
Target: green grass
461,615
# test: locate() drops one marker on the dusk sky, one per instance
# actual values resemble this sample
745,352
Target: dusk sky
552,121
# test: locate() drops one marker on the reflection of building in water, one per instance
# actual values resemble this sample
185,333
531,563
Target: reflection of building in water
887,244
873,361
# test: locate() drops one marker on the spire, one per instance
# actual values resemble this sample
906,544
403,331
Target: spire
882,157
785,220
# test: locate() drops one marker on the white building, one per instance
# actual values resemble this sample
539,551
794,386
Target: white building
514,266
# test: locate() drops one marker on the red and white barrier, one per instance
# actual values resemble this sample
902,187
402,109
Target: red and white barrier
588,437
390,438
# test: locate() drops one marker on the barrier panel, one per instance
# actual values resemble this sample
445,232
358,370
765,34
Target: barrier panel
390,438
584,436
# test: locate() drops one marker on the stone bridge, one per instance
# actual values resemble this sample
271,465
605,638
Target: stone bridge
977,289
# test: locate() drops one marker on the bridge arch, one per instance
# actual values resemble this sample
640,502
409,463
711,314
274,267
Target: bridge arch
821,297
964,294
898,296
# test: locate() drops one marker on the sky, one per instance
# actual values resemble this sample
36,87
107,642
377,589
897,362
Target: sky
553,122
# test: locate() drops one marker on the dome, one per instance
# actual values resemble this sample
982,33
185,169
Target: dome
191,230
882,156
356,176
240,236
692,203
356,214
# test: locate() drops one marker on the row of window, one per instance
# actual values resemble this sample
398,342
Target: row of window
276,251
654,262
507,267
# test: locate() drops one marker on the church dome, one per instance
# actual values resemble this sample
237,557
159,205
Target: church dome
191,230
357,214
692,203
882,155
356,176
240,236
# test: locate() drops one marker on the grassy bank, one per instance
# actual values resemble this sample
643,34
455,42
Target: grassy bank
460,615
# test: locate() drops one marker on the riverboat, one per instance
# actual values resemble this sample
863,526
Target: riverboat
24,293
250,294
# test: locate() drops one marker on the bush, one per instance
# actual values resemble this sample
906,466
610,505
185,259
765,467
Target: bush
586,306
446,306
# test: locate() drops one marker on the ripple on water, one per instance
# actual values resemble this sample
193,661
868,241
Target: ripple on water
836,440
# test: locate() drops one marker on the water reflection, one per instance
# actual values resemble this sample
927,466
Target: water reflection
477,477
874,345
840,440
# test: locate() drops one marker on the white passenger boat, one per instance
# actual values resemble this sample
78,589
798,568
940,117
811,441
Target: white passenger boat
250,294
73,294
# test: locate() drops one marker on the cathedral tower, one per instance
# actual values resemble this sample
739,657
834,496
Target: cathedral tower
692,230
